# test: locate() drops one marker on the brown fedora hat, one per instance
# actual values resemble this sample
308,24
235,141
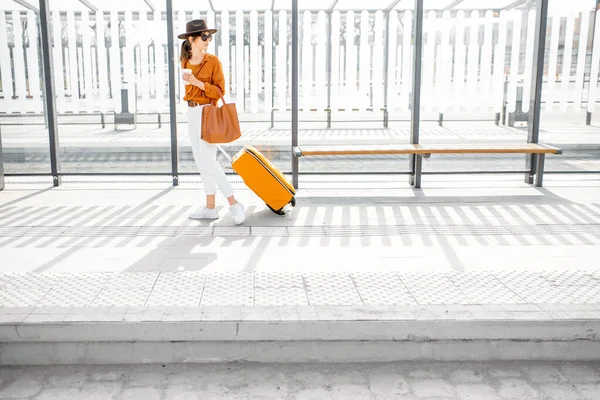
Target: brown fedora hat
195,26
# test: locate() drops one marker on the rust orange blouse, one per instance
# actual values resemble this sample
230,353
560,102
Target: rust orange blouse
209,71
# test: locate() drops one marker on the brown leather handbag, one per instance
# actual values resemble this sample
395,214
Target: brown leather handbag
220,124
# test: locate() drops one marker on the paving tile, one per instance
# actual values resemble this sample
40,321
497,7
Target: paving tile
133,280
181,279
280,297
175,296
117,296
21,296
279,280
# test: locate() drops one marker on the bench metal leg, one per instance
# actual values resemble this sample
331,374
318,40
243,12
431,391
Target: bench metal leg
416,163
441,119
531,165
539,175
272,118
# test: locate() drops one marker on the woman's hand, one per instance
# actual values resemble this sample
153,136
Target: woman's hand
193,80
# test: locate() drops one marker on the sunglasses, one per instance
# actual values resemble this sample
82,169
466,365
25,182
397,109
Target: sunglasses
206,36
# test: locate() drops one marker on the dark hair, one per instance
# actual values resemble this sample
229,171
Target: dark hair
186,50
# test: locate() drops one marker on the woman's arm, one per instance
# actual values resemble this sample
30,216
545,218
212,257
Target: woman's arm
211,89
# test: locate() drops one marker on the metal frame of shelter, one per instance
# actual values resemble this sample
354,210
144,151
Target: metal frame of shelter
541,8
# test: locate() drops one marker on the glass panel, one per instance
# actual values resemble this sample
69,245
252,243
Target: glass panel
570,88
25,143
359,5
111,83
348,100
473,61
254,48
303,4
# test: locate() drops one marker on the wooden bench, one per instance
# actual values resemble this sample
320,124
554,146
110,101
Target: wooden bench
420,151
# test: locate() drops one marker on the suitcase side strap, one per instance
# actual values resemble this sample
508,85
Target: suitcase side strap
271,172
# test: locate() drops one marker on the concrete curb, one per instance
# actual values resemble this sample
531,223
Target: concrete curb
185,329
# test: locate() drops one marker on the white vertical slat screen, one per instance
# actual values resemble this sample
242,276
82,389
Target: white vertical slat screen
239,60
485,87
307,66
33,65
566,95
350,70
73,70
499,57
143,66
5,70
19,60
128,60
210,21
364,78
473,60
254,83
335,60
550,95
321,62
115,62
515,53
593,91
102,64
581,58
159,62
87,61
268,54
393,64
179,24
429,38
377,62
282,61
528,60
59,76
407,57
443,62
224,55
464,60
459,63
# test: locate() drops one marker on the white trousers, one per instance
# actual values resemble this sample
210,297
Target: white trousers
205,155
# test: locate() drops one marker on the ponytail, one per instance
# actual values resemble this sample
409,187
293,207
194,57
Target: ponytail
186,51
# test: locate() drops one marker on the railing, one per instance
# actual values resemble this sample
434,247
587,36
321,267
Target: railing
467,58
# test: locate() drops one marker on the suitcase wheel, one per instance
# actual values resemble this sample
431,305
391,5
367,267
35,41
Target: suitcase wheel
278,212
293,202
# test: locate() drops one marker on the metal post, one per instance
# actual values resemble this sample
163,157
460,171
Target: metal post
294,91
329,62
172,109
416,162
386,60
588,115
50,96
536,87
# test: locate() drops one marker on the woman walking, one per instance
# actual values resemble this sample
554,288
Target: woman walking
205,83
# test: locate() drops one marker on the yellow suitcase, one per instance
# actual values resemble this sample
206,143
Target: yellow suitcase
264,179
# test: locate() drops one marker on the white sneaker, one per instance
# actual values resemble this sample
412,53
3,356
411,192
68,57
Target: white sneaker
205,213
238,212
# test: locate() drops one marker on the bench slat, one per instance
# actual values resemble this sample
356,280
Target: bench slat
524,148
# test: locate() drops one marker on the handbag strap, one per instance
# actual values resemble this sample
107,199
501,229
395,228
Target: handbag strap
215,101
